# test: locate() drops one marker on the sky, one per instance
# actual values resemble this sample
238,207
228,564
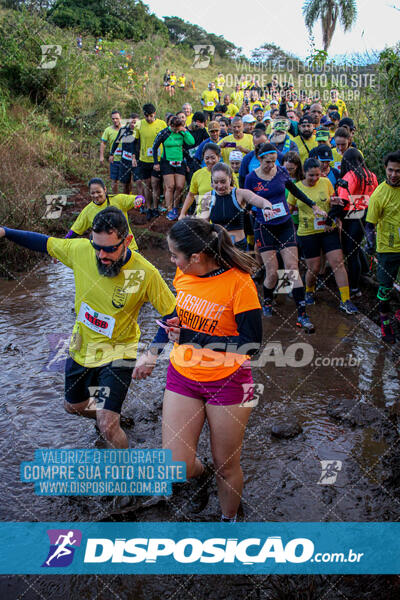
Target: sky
282,22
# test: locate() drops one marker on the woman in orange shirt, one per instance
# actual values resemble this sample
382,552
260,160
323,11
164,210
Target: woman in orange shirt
217,328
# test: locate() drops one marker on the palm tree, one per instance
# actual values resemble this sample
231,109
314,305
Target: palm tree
329,11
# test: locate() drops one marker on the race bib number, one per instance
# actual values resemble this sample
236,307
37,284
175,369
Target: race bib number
149,151
175,163
279,210
210,103
319,223
103,324
127,155
192,152
118,152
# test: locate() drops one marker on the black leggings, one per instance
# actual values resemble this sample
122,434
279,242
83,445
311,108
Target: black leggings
352,235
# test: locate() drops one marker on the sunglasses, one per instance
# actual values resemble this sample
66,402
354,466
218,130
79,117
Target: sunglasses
107,249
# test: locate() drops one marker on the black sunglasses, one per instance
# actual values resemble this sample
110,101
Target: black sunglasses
107,249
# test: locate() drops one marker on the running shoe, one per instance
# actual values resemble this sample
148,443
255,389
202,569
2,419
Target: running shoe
309,298
199,489
156,213
267,310
304,322
387,332
172,215
149,214
348,307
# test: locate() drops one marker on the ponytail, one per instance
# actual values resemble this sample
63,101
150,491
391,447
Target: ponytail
192,236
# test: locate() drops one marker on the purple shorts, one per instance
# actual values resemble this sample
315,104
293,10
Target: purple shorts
238,388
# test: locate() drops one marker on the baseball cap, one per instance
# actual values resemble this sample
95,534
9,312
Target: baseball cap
248,119
281,124
347,121
257,108
335,115
326,121
322,152
290,104
306,119
235,155
322,134
214,125
274,102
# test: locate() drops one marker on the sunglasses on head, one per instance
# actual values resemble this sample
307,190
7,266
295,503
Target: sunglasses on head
107,249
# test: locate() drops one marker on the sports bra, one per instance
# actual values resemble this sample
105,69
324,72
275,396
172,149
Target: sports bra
226,211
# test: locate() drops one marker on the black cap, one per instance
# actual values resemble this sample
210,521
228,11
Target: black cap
322,152
347,121
335,115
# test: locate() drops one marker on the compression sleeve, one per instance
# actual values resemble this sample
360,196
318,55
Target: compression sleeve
297,193
71,234
249,326
28,239
161,338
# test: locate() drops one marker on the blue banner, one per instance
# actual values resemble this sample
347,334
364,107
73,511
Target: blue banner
199,548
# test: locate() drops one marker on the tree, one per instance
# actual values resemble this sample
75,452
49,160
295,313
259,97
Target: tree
182,32
329,11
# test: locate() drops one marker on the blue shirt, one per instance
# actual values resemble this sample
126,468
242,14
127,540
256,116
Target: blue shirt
273,190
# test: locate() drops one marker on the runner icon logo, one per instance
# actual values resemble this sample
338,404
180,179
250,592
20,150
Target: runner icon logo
203,55
286,280
49,57
63,543
54,206
100,395
330,470
251,394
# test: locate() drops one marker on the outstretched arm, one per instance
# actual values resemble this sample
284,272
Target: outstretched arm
27,239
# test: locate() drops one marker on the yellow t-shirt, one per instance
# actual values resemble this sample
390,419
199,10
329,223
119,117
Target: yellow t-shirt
189,119
237,98
220,82
232,110
147,133
256,103
341,104
181,82
384,210
246,142
210,98
200,185
337,159
320,193
305,146
84,220
172,80
108,137
107,308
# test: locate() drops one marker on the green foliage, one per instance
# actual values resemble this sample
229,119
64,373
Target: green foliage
270,53
126,19
182,32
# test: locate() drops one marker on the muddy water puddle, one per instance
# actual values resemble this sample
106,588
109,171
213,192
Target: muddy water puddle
322,410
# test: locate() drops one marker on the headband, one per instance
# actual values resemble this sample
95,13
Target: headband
265,153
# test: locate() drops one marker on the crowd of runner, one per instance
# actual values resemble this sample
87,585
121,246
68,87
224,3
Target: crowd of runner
258,182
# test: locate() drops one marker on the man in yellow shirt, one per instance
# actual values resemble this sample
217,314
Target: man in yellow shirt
237,96
187,109
108,138
146,133
111,285
238,140
384,212
305,141
232,109
182,81
341,104
209,100
219,83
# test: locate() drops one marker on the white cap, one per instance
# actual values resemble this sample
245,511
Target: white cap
235,155
248,119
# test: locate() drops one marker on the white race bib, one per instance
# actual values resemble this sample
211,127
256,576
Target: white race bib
192,152
210,103
103,324
279,211
319,223
127,155
149,151
118,151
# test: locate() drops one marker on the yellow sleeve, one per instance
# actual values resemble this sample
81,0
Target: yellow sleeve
124,201
374,211
194,185
62,250
159,294
291,199
82,222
